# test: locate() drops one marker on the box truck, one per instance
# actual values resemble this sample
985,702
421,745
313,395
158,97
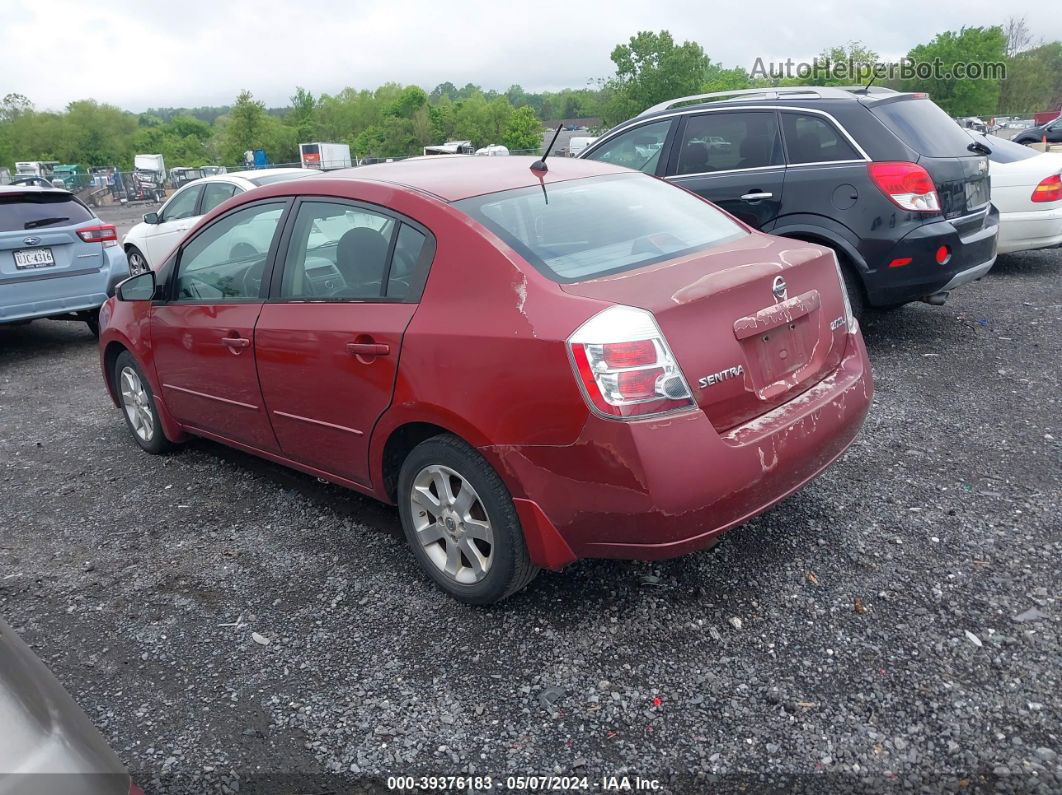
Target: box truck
324,156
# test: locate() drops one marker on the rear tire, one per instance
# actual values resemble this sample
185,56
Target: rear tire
460,522
93,323
138,405
854,287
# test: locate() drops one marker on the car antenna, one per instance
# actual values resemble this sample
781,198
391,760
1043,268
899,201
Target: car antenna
540,164
866,88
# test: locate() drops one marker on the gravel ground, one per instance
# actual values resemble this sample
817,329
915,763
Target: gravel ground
892,627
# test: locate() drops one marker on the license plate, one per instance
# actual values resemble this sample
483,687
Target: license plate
34,258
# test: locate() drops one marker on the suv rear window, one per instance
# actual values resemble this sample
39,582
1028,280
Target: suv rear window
22,211
924,127
585,228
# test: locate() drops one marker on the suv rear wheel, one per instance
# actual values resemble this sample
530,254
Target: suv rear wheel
460,522
853,286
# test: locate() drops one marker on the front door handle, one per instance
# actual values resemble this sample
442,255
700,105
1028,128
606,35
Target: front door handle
236,342
368,349
755,196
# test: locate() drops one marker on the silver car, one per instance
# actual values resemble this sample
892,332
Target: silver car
48,746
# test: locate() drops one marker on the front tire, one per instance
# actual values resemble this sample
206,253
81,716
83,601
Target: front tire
138,405
460,522
137,261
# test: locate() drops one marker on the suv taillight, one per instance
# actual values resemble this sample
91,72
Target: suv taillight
907,185
105,234
625,366
1049,190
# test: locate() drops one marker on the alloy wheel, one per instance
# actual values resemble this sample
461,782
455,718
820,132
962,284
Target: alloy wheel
451,524
137,263
137,404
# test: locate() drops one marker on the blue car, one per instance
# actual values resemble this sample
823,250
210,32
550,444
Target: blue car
57,259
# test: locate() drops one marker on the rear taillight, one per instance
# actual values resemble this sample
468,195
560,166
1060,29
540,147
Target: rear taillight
625,367
850,322
1049,190
105,234
907,185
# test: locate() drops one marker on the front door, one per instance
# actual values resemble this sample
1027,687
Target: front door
203,334
175,218
734,159
328,341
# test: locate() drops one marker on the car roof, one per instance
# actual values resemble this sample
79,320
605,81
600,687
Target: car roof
456,177
31,189
250,174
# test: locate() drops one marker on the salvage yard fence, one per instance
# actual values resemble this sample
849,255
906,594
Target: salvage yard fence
104,187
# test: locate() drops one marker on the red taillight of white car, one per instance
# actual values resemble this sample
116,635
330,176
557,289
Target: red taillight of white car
1049,190
625,366
907,185
105,234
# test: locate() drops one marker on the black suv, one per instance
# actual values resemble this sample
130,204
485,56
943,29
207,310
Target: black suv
885,179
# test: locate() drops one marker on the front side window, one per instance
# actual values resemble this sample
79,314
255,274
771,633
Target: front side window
338,252
812,139
214,193
720,141
639,148
585,228
227,260
182,205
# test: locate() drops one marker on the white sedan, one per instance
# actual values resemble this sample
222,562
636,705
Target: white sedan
1027,189
147,244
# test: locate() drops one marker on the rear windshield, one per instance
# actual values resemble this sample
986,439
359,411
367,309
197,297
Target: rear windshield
22,211
585,228
924,127
1004,151
271,178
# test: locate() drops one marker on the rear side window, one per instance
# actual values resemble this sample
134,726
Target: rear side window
214,193
924,127
813,139
585,228
22,211
721,141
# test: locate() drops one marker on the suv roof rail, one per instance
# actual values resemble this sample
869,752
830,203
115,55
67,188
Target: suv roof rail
817,92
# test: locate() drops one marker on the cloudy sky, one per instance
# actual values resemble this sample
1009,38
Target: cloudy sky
140,54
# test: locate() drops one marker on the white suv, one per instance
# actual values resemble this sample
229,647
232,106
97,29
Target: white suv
147,244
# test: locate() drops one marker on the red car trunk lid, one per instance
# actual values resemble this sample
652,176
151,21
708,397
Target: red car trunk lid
752,323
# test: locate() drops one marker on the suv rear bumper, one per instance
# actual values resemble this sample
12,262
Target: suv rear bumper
663,488
50,295
973,252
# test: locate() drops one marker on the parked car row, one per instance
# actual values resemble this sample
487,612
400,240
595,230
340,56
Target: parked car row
512,351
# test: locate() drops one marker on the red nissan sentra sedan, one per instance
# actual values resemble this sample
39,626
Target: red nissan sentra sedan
535,367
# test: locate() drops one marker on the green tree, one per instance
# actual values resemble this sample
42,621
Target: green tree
651,68
966,96
523,130
302,116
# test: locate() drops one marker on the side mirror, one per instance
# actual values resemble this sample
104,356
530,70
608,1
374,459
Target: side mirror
151,218
137,288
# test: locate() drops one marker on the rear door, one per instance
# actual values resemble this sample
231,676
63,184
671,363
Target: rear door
175,218
734,159
203,335
38,236
328,341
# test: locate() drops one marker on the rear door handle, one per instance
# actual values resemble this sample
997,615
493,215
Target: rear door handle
755,196
368,349
236,342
